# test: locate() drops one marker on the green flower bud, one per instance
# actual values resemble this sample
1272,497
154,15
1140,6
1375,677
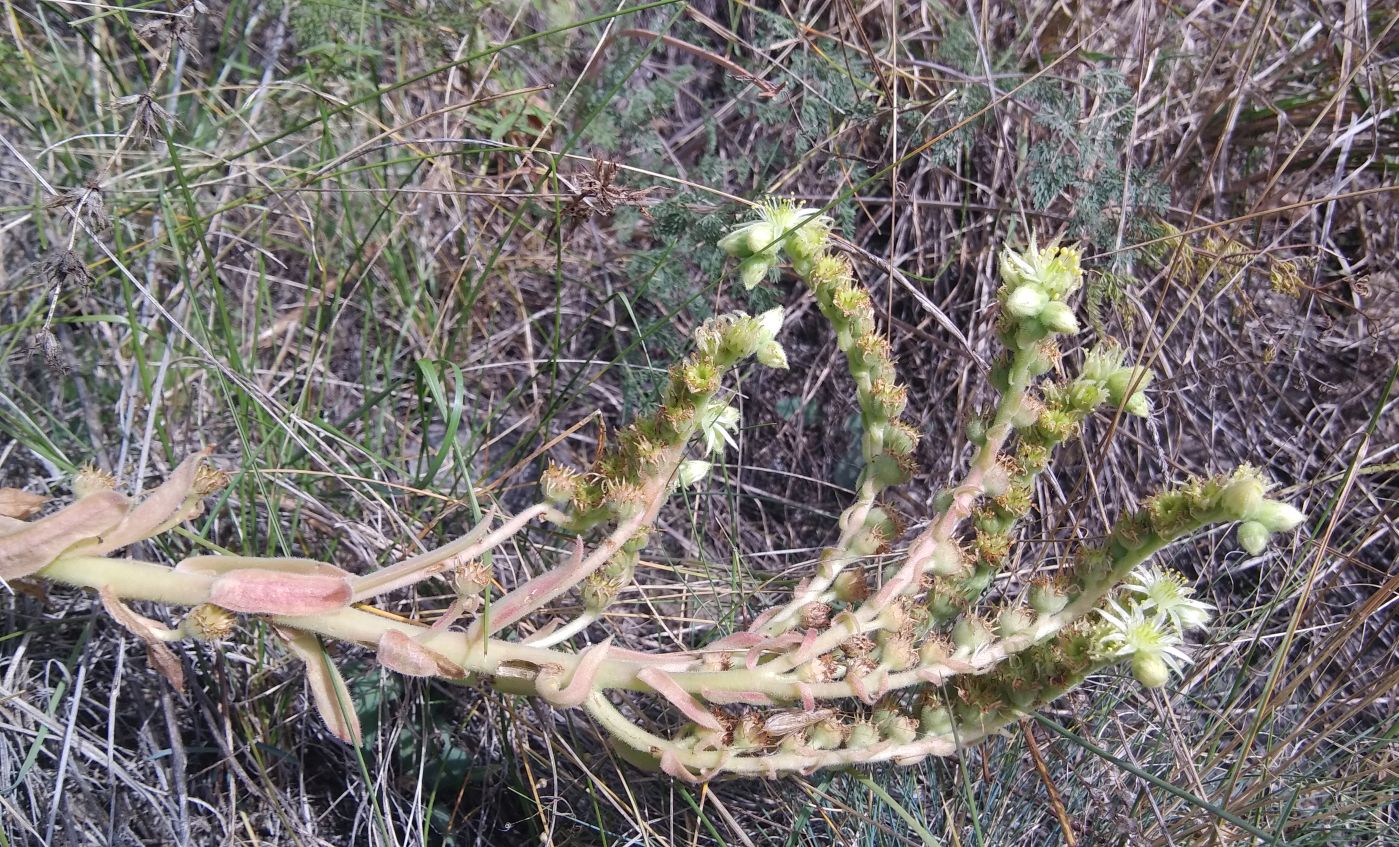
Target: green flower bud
772,355
1150,669
1027,301
208,622
1046,598
1102,362
1138,405
1278,517
692,471
900,730
975,585
760,237
1134,378
851,586
754,270
862,734
941,606
1241,498
1253,537
559,484
935,720
946,559
825,735
971,633
736,243
887,470
1014,621
1085,395
1059,318
900,438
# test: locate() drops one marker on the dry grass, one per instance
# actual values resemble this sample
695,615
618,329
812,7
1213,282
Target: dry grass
371,258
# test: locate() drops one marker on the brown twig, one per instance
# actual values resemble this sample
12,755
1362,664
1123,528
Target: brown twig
1055,803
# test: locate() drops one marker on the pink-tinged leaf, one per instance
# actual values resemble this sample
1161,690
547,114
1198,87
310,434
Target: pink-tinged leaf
150,632
528,597
33,545
807,649
761,620
720,697
681,699
260,592
171,501
581,685
398,652
15,503
736,641
808,699
670,763
328,690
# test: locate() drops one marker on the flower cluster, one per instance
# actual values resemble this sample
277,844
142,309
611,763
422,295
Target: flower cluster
781,226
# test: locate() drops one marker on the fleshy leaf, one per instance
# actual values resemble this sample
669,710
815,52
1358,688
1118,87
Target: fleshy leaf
679,698
581,685
35,544
150,632
328,690
266,592
169,502
16,503
398,652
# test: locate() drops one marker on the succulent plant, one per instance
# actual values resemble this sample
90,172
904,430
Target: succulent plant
859,665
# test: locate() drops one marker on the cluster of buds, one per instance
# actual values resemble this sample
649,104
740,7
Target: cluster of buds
857,667
781,227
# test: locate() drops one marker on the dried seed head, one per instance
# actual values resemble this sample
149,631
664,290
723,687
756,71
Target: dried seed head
45,343
852,585
65,268
92,479
857,645
816,615
208,622
209,480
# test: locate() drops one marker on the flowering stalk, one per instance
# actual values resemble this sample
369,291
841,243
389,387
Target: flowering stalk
843,672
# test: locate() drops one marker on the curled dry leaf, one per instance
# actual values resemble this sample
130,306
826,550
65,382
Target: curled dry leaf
398,652
168,503
581,685
16,503
328,690
153,633
32,546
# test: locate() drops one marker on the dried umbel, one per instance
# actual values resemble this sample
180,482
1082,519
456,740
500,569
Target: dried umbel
889,651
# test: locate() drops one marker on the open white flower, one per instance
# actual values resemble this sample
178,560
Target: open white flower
1153,642
717,422
692,471
1164,591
